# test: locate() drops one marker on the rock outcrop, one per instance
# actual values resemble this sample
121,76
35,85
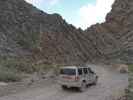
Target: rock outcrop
27,31
119,27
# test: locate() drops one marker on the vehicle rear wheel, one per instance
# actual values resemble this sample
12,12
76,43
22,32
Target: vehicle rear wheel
64,87
83,87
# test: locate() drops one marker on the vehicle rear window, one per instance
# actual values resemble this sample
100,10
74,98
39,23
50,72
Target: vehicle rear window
68,71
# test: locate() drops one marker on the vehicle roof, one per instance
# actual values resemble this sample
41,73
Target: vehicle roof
73,67
68,67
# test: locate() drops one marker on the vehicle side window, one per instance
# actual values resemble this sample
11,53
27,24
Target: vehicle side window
80,71
85,70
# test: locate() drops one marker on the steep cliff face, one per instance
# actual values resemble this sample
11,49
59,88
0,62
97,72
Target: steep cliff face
119,27
122,15
27,31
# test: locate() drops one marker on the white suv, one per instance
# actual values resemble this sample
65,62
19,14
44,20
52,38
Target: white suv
74,76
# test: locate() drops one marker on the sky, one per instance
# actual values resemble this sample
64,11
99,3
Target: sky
80,13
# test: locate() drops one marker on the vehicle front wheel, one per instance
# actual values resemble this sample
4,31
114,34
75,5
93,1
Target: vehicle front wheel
95,82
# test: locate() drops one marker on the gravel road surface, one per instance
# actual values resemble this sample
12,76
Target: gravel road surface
111,83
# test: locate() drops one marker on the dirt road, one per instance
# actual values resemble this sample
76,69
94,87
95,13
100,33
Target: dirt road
110,84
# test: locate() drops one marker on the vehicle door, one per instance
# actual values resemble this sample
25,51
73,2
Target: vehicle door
80,74
91,76
86,76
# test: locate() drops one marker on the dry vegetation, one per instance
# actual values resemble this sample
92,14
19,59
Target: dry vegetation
130,91
13,69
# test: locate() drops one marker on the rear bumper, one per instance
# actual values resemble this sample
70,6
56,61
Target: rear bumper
70,84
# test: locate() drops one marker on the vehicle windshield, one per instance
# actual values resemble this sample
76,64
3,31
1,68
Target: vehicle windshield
68,71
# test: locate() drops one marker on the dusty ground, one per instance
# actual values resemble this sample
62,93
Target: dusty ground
111,84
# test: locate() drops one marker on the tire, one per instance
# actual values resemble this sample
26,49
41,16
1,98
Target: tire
64,87
83,87
95,82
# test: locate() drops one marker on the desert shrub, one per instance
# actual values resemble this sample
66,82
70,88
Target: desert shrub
7,75
11,68
45,67
130,92
19,65
131,67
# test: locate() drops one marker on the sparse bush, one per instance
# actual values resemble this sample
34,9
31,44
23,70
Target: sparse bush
19,65
131,68
7,75
45,67
130,92
11,68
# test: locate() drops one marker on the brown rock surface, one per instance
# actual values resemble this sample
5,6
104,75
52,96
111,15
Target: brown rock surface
25,30
118,27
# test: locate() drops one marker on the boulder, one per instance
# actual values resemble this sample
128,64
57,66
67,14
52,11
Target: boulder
122,68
